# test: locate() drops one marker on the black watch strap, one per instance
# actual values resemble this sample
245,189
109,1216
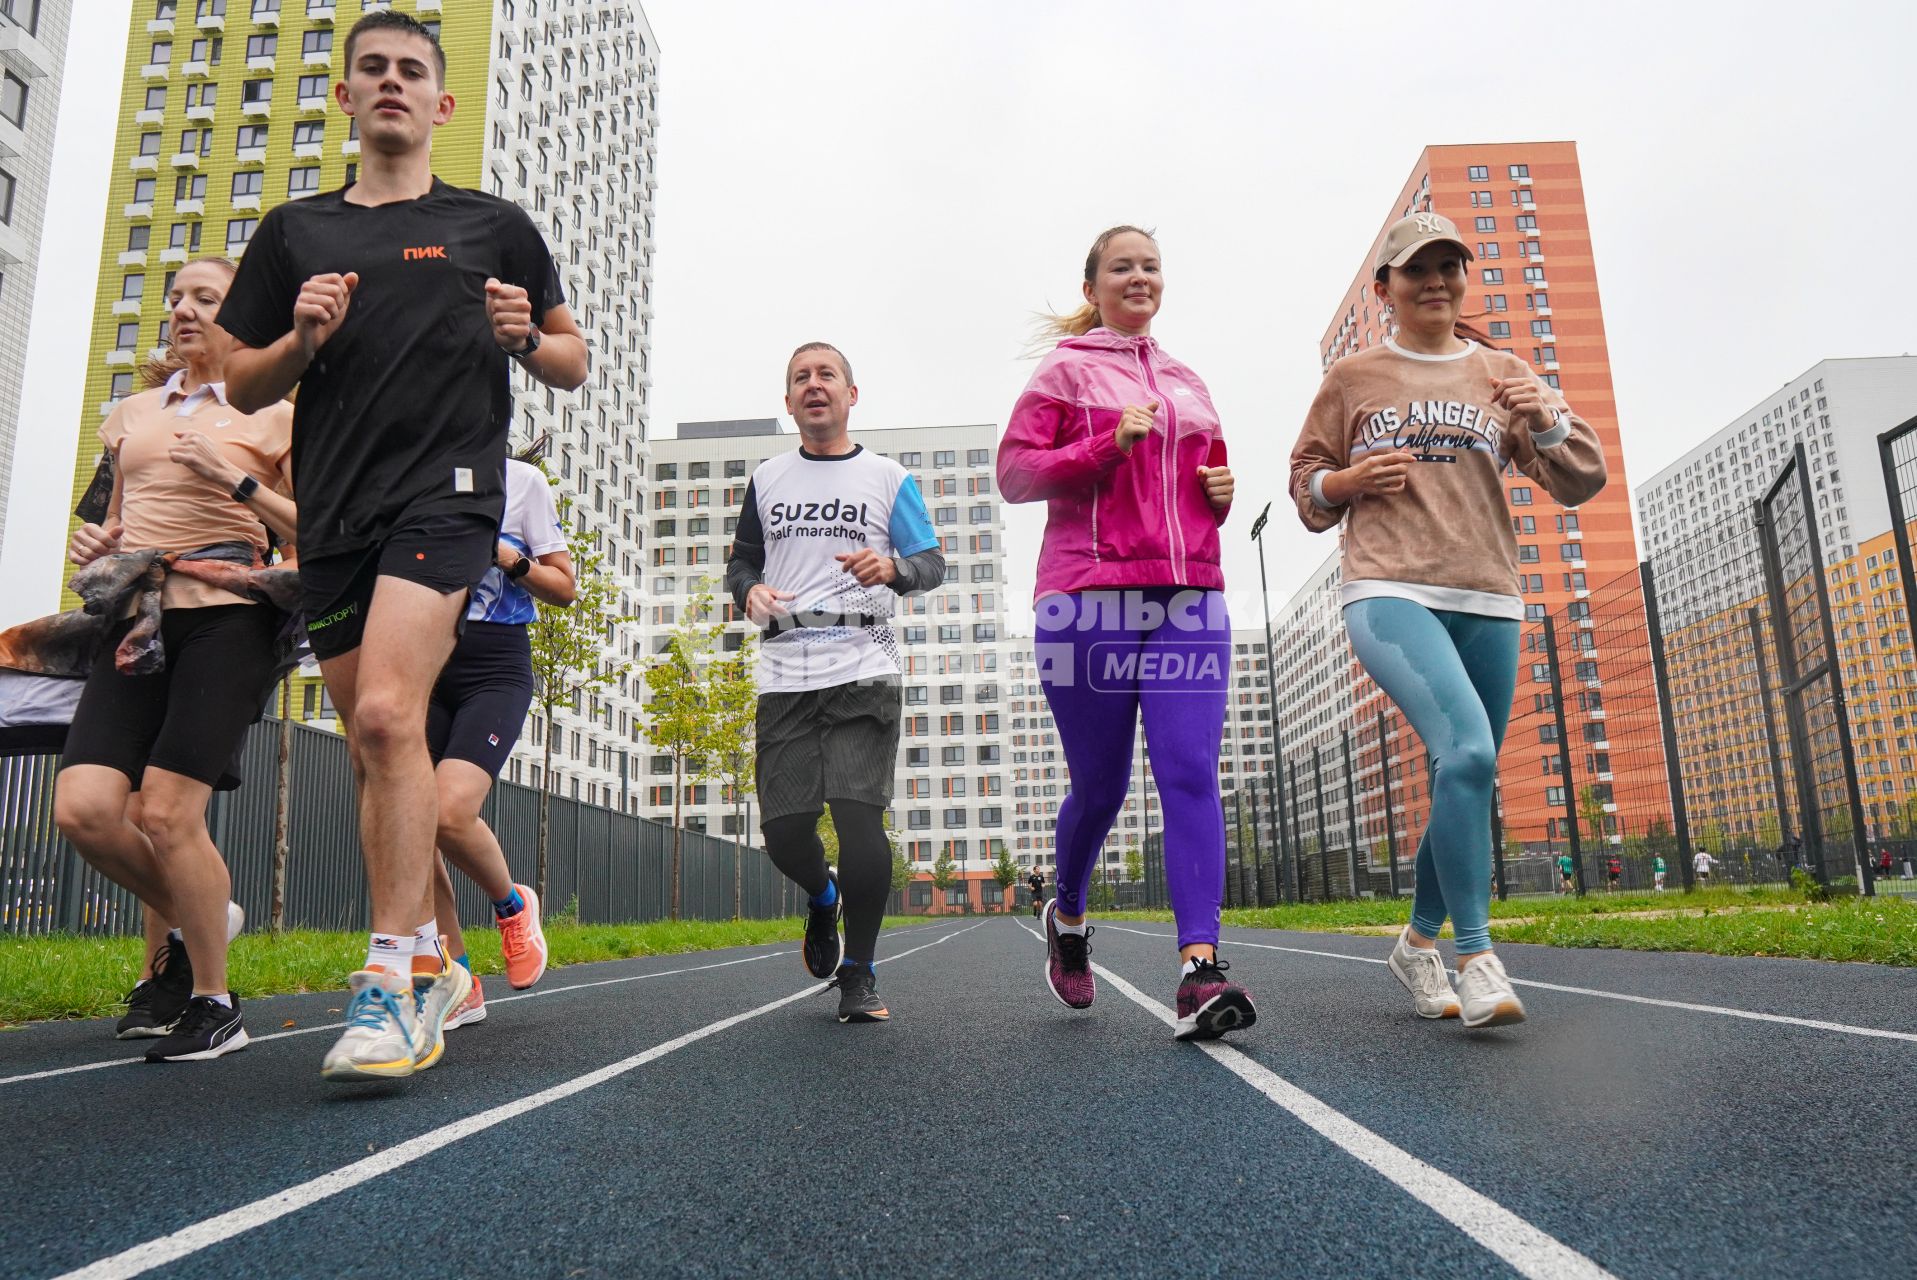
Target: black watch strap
244,489
521,567
532,344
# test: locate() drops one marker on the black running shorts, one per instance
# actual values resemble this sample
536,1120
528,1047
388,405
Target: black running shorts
479,704
840,743
191,718
448,553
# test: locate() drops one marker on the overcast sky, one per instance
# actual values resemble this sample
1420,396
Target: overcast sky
913,182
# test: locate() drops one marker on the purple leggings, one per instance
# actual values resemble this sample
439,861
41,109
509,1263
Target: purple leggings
1104,657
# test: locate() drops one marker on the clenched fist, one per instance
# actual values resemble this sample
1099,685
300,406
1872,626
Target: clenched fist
1134,425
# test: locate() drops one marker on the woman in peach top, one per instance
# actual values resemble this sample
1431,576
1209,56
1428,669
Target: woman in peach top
145,752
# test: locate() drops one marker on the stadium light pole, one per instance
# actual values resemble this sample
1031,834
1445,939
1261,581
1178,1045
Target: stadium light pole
1271,698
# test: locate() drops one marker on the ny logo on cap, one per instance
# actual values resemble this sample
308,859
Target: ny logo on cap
1429,224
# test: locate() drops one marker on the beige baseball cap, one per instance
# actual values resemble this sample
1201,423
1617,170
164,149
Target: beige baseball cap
1408,235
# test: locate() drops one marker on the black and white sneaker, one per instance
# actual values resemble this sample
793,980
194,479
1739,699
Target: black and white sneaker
824,948
208,1029
858,995
156,1003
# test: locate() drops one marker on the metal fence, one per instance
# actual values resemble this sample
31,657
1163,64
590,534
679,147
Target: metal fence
618,867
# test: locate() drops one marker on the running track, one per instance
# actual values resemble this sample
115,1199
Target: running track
705,1116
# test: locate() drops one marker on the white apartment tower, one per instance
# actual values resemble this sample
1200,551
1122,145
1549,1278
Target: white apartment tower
1836,408
951,794
33,42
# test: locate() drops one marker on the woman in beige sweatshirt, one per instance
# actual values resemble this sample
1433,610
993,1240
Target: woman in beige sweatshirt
1406,445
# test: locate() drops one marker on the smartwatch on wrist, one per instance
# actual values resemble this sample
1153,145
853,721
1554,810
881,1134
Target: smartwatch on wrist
244,489
532,344
520,568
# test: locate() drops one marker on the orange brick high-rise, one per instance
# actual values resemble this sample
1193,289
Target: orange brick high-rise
1534,289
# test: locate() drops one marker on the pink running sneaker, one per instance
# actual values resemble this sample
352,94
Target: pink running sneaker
1068,962
471,1009
523,943
1209,1005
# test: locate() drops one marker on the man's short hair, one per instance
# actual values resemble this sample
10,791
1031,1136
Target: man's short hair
404,23
821,346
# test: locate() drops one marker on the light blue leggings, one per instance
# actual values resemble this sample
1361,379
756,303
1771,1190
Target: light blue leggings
1452,674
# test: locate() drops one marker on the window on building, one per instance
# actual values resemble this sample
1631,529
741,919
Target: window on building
945,458
262,46
239,232
13,99
1487,224
1520,496
156,98
250,136
311,89
1480,173
303,181
309,133
1500,328
317,42
248,182
1494,275
254,92
127,336
186,187
1520,173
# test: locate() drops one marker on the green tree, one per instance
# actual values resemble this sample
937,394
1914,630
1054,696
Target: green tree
828,837
944,873
679,713
1134,864
1906,820
1005,871
901,871
574,651
734,697
1591,809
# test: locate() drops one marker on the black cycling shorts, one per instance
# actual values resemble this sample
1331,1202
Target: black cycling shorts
479,704
190,718
448,553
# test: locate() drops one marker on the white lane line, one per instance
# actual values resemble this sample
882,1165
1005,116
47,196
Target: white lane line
1528,1250
1813,1024
334,1026
189,1240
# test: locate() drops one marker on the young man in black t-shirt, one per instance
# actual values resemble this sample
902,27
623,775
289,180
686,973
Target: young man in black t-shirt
398,306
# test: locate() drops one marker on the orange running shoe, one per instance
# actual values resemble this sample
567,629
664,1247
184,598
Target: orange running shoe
471,1009
523,942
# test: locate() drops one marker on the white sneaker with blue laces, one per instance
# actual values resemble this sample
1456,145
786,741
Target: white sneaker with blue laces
378,1042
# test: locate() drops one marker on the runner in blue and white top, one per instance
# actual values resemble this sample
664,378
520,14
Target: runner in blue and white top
829,538
478,707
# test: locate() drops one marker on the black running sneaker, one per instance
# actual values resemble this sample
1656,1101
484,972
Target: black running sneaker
1210,1004
208,1029
858,995
156,1003
824,949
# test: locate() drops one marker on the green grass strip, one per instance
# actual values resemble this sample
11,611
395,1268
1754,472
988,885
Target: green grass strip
1729,922
67,976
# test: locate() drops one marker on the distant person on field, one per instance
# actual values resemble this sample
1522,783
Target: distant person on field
1657,872
1701,866
1567,870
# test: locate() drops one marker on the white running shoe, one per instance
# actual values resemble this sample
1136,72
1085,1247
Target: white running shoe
235,920
1422,971
436,997
1486,991
378,1043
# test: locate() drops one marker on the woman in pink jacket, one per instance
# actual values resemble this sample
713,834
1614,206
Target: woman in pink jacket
1121,442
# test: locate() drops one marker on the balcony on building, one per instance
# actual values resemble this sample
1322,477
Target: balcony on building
24,55
250,202
318,58
319,12
148,117
159,26
172,256
126,307
427,6
350,147
155,71
193,207
139,210
212,22
261,63
257,110
144,164
196,70
315,105
249,155
271,18
306,150
133,258
199,112
186,159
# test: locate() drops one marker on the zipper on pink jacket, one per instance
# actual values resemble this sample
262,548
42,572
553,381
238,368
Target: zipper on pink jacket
1175,544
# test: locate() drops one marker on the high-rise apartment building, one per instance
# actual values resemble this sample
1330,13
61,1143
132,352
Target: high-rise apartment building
1835,410
951,796
228,109
33,44
1534,291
